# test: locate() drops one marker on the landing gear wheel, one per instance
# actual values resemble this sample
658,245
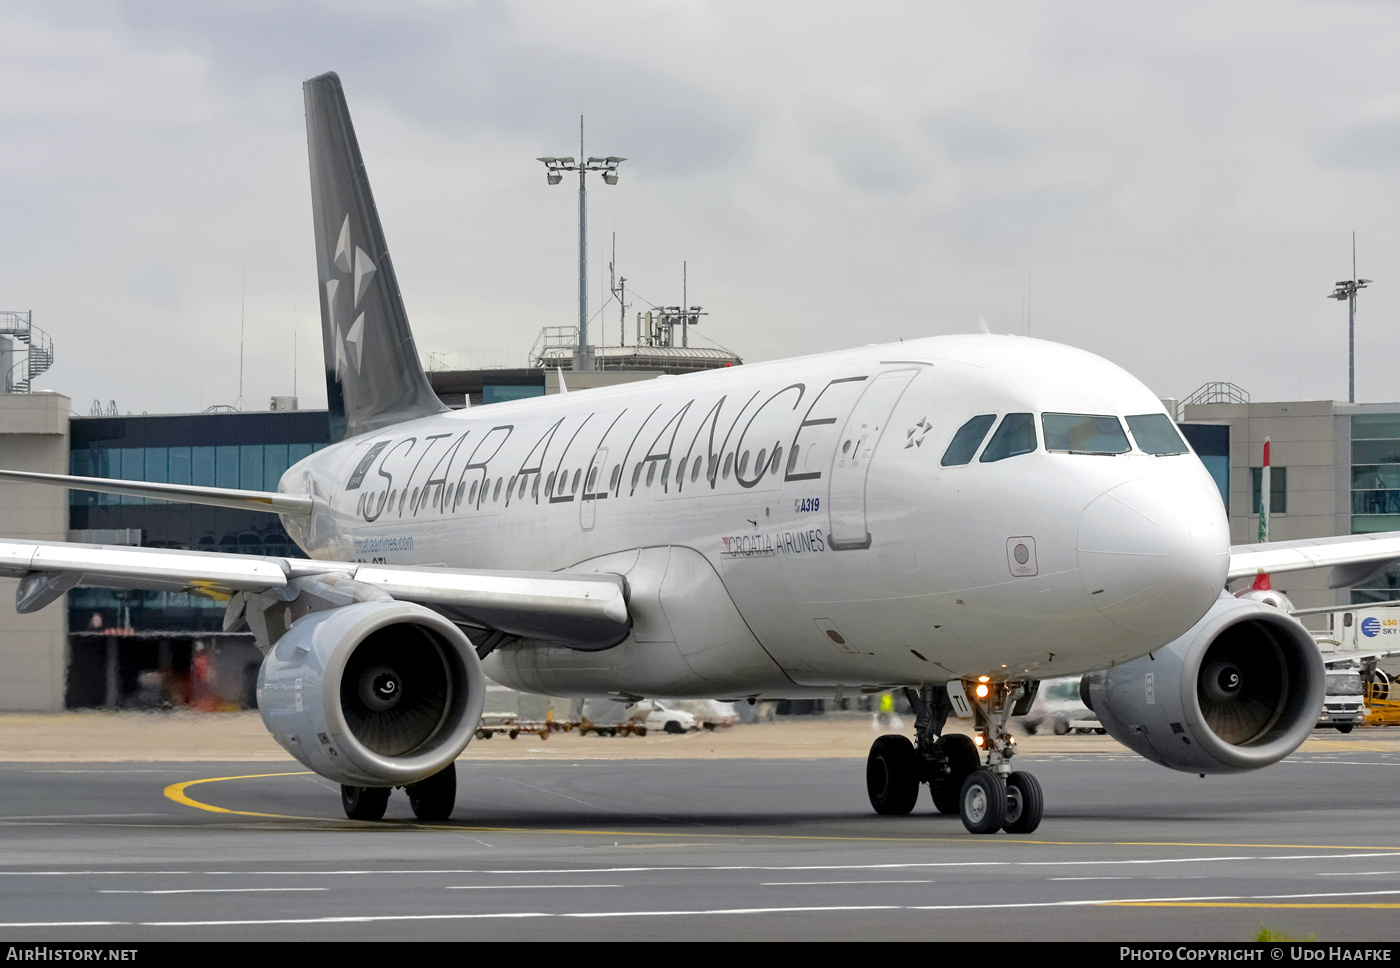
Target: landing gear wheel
963,760
983,803
1024,804
892,775
364,803
434,798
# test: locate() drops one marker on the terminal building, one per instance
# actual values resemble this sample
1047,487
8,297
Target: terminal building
154,650
1336,470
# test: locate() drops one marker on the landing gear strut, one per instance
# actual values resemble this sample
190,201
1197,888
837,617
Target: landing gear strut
987,798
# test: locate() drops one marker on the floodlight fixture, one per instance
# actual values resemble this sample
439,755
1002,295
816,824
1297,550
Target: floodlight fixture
554,174
1347,290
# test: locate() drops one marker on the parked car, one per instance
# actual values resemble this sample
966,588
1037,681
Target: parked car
657,714
1059,708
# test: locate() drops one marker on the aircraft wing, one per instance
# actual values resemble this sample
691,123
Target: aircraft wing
275,502
1352,558
586,611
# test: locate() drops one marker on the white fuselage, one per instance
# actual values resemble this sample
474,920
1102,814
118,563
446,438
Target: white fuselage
788,527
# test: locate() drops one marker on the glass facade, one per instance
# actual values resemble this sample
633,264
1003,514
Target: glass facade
1375,492
499,393
1278,489
240,450
1212,445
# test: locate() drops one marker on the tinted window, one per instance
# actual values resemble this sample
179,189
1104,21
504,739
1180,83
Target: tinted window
1156,434
1014,437
1084,433
968,438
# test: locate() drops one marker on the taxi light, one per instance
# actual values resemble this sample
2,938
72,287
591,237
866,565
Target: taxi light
982,692
984,678
979,740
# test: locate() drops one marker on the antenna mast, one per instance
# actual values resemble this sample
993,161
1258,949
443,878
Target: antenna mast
242,313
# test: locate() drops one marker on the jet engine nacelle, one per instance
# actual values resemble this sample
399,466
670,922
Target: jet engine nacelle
380,693
1241,690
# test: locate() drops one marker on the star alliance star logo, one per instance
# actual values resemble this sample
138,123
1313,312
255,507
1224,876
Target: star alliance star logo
348,350
914,436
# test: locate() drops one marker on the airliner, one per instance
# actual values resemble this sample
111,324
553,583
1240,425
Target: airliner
959,517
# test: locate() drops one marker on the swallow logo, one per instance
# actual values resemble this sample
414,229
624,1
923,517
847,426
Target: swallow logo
355,263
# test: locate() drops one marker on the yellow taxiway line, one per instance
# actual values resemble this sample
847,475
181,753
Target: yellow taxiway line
176,792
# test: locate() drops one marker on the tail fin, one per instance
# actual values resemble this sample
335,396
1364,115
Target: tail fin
373,375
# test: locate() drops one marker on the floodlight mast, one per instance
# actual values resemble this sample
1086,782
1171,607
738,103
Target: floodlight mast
554,169
1347,289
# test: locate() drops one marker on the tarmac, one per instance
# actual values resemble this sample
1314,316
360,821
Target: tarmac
197,827
105,737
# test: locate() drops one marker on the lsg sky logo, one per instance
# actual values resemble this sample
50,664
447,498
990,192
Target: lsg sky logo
1372,626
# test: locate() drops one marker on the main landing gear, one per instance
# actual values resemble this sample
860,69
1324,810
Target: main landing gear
431,799
989,798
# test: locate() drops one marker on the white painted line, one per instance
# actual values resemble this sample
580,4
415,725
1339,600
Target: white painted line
455,872
221,890
827,883
82,816
1141,877
698,912
1353,873
61,924
1198,860
521,887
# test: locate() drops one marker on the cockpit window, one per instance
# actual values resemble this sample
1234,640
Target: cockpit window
968,438
1084,433
1156,434
1014,437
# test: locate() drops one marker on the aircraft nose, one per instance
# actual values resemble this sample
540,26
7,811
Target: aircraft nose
1154,554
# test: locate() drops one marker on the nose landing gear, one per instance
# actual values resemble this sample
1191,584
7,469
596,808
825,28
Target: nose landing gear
989,798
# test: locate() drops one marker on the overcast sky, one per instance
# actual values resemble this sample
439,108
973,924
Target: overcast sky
1172,186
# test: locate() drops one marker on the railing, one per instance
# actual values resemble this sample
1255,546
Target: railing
1217,392
19,376
553,344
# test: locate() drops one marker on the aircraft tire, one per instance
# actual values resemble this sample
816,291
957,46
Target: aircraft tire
364,803
982,805
963,760
434,798
892,775
1025,803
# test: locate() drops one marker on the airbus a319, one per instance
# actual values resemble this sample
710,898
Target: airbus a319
957,516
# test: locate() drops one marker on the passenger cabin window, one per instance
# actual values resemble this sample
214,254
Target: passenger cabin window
966,441
1014,437
1156,434
1084,433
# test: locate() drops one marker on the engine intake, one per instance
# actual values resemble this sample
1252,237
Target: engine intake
1241,690
380,693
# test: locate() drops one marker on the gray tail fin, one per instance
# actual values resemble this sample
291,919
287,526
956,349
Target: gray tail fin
373,375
